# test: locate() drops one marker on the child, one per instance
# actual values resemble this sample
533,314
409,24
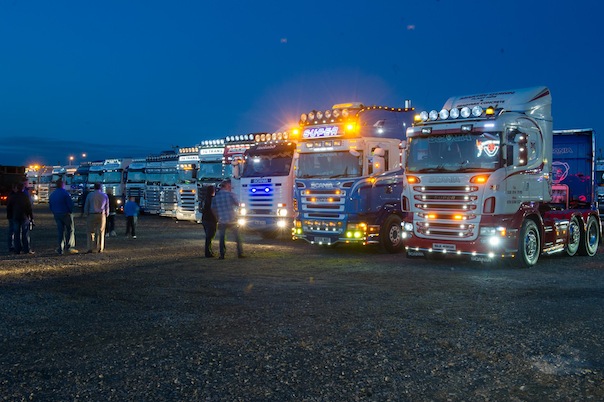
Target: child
131,210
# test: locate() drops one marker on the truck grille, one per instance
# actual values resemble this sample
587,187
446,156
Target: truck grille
323,210
446,213
188,198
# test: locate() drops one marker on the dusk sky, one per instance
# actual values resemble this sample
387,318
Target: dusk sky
119,78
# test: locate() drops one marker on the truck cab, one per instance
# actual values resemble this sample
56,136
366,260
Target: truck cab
479,182
349,175
267,183
187,187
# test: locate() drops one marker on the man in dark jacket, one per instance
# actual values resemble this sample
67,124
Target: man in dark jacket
19,210
11,227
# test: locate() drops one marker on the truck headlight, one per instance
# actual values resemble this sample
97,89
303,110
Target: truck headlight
282,212
242,211
408,226
492,231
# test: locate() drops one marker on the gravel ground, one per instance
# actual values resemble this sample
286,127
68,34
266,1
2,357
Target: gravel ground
151,319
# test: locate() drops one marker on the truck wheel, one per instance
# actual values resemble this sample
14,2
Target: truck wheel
390,235
574,237
529,245
590,238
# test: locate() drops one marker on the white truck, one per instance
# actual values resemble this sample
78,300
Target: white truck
487,177
212,169
114,178
267,185
48,176
234,151
153,184
136,177
169,176
187,208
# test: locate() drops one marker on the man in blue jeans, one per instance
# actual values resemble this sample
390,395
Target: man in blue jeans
225,207
61,205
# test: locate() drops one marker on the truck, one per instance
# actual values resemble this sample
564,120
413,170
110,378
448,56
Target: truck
212,169
487,177
234,151
79,184
169,176
47,179
153,184
600,183
187,193
67,174
349,175
136,177
266,185
9,177
32,176
114,178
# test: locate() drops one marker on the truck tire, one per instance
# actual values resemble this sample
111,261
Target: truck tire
574,237
529,245
390,235
590,238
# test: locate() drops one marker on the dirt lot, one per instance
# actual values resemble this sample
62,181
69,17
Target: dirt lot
151,319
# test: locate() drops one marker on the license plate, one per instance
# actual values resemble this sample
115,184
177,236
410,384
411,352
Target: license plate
322,240
443,246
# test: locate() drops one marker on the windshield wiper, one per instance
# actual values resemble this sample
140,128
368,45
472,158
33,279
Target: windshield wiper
437,169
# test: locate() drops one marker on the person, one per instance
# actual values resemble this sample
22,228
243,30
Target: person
11,227
19,209
131,210
225,206
112,212
61,206
208,220
96,209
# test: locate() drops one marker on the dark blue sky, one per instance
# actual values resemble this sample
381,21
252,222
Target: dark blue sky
128,78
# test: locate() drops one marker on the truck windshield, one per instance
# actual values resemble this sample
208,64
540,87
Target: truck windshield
169,177
268,164
95,177
136,176
460,152
46,179
187,176
210,170
329,165
80,179
153,176
112,177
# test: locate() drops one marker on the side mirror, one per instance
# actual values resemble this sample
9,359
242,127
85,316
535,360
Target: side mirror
236,170
379,161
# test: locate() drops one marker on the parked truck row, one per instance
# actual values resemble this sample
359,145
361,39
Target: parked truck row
486,176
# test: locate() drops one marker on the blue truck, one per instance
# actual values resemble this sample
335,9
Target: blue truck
349,172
